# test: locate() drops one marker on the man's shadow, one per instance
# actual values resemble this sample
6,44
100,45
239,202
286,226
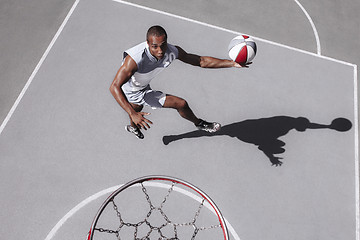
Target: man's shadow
265,132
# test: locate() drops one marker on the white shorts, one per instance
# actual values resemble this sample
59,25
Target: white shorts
146,96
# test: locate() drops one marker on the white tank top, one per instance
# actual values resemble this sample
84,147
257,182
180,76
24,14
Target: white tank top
148,65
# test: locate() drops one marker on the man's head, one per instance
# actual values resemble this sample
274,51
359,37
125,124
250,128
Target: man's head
156,38
301,124
156,31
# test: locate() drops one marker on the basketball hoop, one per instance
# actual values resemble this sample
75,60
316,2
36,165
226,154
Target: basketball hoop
158,207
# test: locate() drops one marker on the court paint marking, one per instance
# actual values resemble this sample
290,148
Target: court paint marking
356,117
238,33
318,47
92,198
77,208
23,91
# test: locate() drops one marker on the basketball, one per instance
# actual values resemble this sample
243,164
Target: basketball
242,49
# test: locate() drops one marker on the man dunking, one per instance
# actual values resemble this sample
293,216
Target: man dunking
141,64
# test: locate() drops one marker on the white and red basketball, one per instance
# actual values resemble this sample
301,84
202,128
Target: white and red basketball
242,49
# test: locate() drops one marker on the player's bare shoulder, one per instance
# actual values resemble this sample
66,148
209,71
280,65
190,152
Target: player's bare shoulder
129,65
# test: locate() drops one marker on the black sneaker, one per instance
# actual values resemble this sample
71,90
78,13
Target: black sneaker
135,131
208,127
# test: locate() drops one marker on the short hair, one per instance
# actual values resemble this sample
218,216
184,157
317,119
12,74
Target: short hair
156,31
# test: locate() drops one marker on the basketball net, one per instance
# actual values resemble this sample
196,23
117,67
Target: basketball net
158,207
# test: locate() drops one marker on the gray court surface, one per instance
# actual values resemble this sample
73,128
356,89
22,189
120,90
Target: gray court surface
66,142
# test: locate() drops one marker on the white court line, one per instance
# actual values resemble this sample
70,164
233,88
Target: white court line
235,32
77,208
356,117
318,47
22,93
88,200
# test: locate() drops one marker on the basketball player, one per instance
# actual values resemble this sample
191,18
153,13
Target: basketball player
141,64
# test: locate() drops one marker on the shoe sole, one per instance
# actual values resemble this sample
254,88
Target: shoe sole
128,130
216,128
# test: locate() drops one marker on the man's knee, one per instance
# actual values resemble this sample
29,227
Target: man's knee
181,104
175,102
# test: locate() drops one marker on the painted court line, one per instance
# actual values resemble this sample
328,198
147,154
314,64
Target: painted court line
234,32
22,93
356,117
318,47
54,230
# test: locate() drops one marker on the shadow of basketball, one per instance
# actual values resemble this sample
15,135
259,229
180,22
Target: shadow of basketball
265,132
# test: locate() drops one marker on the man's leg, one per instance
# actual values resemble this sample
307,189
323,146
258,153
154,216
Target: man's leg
184,110
182,107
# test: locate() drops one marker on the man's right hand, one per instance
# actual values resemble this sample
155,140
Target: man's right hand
140,121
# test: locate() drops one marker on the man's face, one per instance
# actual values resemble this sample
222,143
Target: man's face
157,46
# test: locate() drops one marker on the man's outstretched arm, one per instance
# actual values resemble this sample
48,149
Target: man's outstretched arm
205,61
